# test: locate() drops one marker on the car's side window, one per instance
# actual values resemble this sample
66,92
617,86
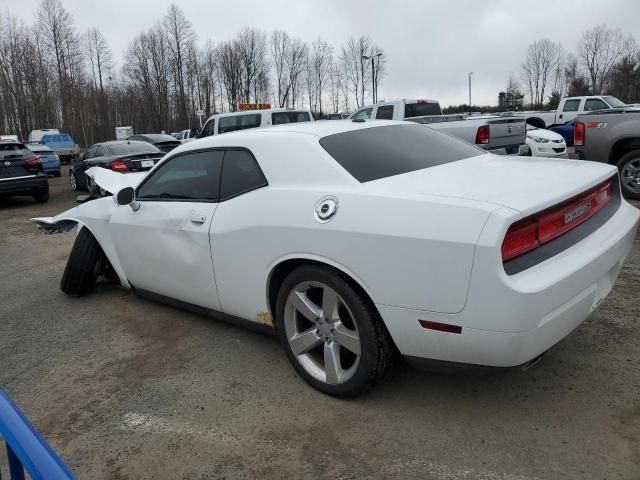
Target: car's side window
240,174
571,105
364,114
90,153
188,177
99,152
594,104
385,112
208,129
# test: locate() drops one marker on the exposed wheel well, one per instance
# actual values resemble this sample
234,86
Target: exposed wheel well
622,147
536,122
283,269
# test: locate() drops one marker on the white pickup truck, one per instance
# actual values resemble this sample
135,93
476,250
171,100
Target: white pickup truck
568,109
500,134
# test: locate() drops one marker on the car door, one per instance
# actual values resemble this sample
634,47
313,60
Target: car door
570,109
80,166
164,246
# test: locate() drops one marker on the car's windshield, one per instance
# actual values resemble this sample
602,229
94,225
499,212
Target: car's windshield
13,150
130,148
614,102
373,153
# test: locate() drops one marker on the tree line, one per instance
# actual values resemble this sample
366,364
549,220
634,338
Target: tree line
53,76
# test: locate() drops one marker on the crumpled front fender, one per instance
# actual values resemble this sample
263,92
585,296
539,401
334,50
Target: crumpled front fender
94,216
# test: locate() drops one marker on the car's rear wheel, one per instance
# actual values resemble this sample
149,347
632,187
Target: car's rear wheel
629,166
83,266
41,196
73,181
331,332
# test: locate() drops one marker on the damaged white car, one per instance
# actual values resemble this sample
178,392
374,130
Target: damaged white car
357,239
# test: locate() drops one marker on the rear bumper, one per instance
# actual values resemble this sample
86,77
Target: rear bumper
510,320
23,186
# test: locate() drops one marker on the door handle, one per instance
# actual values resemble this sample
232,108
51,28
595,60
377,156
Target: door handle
560,116
197,218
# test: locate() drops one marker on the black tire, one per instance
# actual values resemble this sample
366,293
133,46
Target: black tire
83,265
41,196
377,349
633,156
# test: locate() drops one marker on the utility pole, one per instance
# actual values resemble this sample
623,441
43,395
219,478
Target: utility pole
470,73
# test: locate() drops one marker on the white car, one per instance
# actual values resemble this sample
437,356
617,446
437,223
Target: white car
545,143
350,238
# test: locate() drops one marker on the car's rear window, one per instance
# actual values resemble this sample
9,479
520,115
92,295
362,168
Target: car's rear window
422,109
379,152
280,118
14,150
133,147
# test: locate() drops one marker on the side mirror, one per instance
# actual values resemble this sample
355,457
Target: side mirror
127,196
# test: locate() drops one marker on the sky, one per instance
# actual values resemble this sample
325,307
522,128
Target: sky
430,46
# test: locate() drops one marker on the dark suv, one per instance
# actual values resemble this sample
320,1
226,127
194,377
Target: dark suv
21,172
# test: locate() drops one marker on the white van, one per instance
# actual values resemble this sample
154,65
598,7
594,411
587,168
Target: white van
230,122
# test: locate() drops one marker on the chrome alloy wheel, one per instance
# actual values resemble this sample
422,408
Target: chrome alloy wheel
322,332
72,181
630,175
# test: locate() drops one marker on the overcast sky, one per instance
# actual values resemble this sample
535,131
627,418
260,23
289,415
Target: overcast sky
430,46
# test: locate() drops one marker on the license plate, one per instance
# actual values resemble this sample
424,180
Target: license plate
147,163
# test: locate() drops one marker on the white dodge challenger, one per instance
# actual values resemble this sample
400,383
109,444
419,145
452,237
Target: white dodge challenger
356,239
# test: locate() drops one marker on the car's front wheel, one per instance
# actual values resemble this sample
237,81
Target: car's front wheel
331,332
629,166
83,266
73,181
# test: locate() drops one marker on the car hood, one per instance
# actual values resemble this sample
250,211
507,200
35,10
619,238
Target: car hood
113,181
543,133
526,184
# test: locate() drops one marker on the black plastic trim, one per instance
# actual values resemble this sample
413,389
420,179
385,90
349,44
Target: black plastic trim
573,236
207,312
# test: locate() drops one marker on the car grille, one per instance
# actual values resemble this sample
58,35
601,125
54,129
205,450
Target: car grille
558,150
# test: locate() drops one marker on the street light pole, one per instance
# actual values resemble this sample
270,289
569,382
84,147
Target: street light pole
470,73
374,81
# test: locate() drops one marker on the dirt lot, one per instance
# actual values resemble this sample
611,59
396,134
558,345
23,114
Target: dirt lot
124,388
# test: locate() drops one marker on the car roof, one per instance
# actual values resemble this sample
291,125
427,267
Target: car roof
249,112
156,137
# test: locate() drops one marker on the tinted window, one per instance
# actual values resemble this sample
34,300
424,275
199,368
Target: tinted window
13,150
614,102
571,105
594,104
99,152
279,118
240,173
192,176
373,153
422,109
132,148
238,122
385,112
208,129
90,153
364,114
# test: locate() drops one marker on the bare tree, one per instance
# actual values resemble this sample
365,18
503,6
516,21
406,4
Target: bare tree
599,49
99,56
251,49
541,64
321,65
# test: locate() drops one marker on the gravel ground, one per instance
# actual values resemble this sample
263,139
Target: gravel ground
124,388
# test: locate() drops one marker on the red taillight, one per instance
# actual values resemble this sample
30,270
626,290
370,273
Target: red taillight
33,162
119,166
483,135
578,134
524,236
521,238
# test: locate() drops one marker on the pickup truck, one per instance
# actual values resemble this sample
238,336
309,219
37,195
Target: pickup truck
61,143
499,134
612,136
568,109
